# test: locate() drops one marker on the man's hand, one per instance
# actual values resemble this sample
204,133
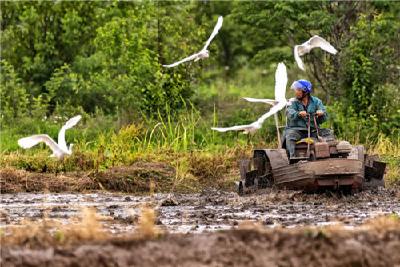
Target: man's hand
303,114
319,113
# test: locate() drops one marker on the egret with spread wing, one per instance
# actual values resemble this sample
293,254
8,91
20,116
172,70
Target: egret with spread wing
278,104
253,127
59,149
306,47
280,88
261,100
203,53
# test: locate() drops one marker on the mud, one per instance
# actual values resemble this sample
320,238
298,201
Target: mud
212,228
244,247
208,211
137,178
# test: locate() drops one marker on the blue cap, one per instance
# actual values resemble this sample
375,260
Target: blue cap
303,85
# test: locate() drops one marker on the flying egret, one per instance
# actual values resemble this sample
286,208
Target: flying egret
253,127
306,47
278,104
59,149
203,53
261,100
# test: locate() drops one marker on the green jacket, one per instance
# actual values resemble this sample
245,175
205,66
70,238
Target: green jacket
294,121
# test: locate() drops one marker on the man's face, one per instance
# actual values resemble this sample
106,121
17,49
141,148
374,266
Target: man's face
299,93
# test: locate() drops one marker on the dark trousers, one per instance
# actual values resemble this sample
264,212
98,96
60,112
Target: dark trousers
292,136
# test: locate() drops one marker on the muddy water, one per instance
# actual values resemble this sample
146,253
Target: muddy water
208,211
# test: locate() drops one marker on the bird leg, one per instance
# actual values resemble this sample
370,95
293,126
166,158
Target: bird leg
57,169
64,169
249,139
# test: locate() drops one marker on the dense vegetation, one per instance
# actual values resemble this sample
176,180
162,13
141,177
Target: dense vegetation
103,60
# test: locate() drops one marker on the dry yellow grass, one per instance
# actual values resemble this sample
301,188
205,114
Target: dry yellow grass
383,223
48,231
393,174
30,233
385,146
389,151
251,225
193,170
87,228
146,227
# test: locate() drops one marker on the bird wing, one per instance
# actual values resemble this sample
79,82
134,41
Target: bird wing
260,100
272,111
181,61
72,122
215,32
30,141
317,41
247,127
290,101
281,80
300,63
255,125
68,125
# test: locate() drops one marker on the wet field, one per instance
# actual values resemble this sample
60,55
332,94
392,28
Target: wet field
208,211
191,225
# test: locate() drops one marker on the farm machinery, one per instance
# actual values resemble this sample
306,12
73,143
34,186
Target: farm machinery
320,163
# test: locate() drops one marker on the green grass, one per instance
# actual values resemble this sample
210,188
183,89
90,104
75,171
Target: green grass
104,141
180,141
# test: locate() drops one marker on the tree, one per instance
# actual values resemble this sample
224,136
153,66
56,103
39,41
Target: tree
13,97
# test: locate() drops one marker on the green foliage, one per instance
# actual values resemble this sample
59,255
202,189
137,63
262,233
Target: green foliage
98,55
360,80
103,60
370,75
13,96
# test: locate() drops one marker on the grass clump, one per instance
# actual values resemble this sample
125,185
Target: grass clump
86,227
146,227
389,152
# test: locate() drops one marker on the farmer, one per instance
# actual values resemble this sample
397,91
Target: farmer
302,106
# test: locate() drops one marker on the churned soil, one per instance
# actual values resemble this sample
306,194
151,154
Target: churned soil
210,210
138,177
377,244
268,228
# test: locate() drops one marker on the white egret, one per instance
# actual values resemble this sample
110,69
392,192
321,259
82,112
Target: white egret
203,53
59,149
306,47
278,104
